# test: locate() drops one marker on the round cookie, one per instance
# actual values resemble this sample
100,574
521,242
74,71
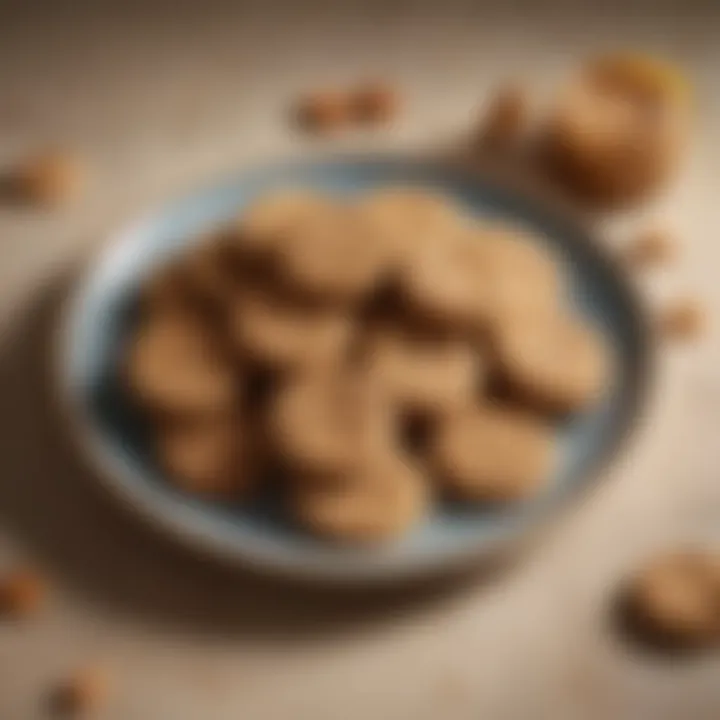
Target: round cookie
489,454
448,283
676,598
210,458
556,364
208,274
524,278
409,217
266,222
336,256
426,374
380,501
326,424
198,279
174,366
285,334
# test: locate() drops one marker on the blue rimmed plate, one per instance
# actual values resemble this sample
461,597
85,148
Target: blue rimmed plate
100,317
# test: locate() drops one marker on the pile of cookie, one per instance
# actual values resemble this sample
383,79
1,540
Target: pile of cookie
373,354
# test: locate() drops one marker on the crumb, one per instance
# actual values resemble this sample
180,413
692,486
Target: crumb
85,691
374,103
323,112
506,118
21,593
650,248
49,178
684,320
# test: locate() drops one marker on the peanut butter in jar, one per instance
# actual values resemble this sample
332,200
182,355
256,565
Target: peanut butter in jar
618,132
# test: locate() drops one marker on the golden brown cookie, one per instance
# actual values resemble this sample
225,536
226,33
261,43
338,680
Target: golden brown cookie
164,290
209,275
286,333
676,598
174,366
199,278
425,373
480,278
335,256
380,501
409,218
557,364
265,223
326,424
489,454
524,277
448,284
214,457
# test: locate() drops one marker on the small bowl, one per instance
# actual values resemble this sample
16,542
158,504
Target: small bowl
101,316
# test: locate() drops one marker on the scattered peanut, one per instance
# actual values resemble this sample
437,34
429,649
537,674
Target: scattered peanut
323,112
21,593
505,120
684,320
82,693
374,103
651,248
49,179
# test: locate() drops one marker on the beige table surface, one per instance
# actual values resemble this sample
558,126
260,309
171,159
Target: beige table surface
161,98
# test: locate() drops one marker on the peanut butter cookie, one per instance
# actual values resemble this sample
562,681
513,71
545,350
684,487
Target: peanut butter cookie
379,502
489,454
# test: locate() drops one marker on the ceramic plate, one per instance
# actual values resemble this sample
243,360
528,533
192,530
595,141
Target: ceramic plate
101,316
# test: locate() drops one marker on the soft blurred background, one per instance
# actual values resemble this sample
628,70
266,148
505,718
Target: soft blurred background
158,97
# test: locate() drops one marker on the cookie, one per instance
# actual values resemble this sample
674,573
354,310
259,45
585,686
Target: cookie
325,424
524,278
199,279
676,598
335,256
266,222
284,333
210,458
408,218
448,284
166,289
414,209
174,366
490,454
208,273
381,501
425,374
556,364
